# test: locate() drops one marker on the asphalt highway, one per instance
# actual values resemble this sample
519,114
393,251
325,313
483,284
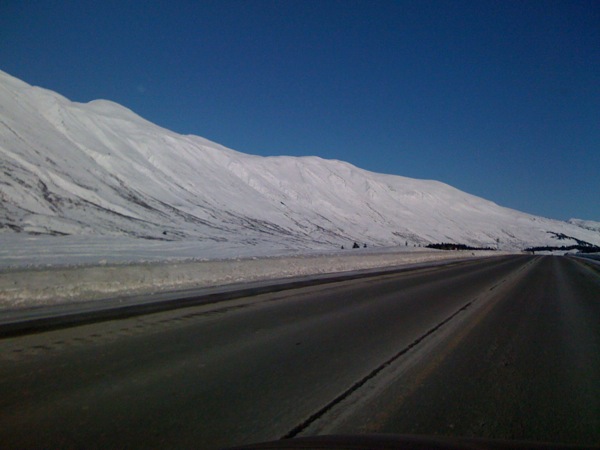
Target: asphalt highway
503,348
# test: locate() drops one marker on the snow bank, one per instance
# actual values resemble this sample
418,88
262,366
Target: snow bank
35,287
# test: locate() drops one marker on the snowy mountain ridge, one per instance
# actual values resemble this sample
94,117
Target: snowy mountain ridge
98,169
586,224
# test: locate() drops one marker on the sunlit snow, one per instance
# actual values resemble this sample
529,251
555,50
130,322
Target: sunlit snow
97,169
85,184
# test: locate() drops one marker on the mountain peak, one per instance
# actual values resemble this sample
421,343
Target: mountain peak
111,109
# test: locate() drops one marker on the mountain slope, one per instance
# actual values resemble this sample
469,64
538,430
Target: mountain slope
586,224
68,168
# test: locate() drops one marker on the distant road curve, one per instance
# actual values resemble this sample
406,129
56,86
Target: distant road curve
501,348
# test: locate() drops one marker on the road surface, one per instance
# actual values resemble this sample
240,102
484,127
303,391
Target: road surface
504,348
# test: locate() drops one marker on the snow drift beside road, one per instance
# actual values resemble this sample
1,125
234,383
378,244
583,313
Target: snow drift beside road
27,288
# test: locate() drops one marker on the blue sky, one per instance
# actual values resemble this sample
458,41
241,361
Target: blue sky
500,99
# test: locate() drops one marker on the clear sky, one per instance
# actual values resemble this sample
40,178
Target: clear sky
500,99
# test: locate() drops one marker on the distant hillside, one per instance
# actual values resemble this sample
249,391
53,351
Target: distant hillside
586,224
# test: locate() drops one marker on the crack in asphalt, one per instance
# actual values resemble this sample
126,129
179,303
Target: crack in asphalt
357,385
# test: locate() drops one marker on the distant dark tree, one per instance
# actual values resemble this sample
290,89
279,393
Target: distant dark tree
342,247
365,246
582,248
449,246
356,245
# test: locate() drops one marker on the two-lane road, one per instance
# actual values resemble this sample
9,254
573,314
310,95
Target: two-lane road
504,347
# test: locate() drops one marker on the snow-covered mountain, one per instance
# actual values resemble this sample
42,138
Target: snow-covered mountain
586,224
94,169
